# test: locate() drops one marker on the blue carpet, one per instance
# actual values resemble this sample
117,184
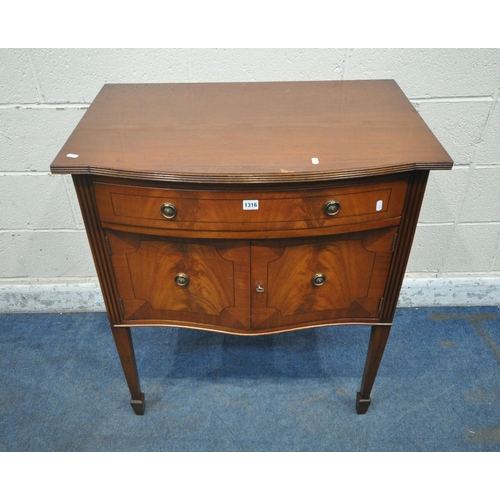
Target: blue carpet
438,388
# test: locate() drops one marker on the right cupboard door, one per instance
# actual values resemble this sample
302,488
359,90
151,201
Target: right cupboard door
319,280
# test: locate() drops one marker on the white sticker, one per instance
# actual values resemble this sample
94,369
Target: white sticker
315,161
250,204
379,205
72,155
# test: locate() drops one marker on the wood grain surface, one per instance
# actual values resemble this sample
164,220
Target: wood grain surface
356,268
218,271
278,210
269,132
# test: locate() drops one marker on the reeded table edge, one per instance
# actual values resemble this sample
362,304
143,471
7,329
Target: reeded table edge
251,178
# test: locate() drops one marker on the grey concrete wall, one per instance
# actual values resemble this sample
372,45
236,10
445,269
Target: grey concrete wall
44,93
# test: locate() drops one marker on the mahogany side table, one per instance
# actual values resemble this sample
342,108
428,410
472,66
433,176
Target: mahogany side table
251,208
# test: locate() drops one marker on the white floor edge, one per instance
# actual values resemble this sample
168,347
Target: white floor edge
87,297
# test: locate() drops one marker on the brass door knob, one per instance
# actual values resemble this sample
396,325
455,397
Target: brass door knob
181,279
318,279
331,207
168,210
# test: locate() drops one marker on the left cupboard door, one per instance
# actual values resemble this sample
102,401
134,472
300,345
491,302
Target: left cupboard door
199,283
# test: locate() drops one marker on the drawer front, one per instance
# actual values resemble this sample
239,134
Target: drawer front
249,211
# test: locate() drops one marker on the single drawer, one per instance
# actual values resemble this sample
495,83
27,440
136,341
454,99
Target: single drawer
258,210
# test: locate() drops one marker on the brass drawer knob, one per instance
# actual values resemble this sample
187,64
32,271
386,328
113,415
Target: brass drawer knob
331,207
168,210
181,279
318,279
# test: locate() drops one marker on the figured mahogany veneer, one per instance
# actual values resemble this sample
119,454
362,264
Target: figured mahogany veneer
279,210
206,206
221,273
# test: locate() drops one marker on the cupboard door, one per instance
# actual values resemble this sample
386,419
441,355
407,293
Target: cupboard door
189,282
319,280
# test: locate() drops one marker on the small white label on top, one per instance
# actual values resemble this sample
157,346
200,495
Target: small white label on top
380,203
315,161
250,204
72,155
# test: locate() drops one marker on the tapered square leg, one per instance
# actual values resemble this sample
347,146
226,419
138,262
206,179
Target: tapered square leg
125,348
376,347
